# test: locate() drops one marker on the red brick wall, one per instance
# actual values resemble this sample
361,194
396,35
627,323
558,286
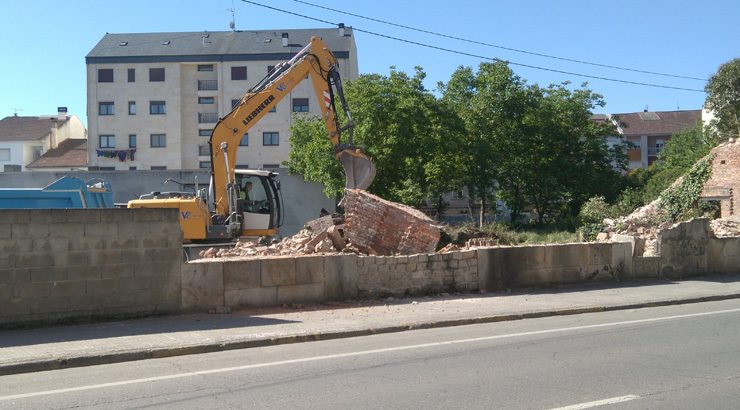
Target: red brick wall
381,227
726,177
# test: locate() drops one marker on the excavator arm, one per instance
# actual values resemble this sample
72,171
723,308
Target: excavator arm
316,61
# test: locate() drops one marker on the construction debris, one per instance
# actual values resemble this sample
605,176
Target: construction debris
379,227
371,226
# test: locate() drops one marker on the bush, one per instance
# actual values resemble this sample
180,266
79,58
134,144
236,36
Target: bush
594,211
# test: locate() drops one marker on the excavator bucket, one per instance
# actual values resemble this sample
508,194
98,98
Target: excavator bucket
358,168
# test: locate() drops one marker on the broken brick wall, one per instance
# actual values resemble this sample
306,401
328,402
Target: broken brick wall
724,182
380,227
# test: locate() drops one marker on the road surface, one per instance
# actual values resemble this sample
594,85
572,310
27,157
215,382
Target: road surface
685,356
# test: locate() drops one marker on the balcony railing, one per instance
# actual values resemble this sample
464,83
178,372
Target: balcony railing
654,151
207,117
207,85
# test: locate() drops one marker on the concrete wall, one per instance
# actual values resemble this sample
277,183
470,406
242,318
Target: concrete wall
276,281
302,200
546,265
60,265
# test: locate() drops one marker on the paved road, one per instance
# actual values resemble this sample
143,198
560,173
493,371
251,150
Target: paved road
684,356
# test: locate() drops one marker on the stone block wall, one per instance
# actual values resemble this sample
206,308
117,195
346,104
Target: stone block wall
545,265
689,249
74,264
276,281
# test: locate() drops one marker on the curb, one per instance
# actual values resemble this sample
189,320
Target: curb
119,357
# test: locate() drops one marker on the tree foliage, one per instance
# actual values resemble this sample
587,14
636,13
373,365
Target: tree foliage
413,139
680,154
723,98
536,146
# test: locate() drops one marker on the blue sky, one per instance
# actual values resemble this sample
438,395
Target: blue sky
44,43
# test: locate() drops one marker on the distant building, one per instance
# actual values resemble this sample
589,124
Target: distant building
648,132
69,155
24,140
154,98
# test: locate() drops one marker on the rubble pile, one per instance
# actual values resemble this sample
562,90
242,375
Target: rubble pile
640,224
726,227
370,226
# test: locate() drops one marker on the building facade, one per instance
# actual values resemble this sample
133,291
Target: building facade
24,139
154,98
649,131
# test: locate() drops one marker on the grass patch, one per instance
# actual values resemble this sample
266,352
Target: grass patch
507,235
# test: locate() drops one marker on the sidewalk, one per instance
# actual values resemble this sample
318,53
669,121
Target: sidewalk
28,350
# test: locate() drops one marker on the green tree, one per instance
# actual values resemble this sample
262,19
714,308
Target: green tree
723,97
535,146
411,136
569,158
679,155
491,103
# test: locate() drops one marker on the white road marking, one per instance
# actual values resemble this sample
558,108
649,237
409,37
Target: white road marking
360,353
598,403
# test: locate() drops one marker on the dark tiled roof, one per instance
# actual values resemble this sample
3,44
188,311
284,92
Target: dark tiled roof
71,152
25,128
217,43
656,123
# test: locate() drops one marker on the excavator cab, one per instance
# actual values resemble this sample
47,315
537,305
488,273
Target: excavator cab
259,202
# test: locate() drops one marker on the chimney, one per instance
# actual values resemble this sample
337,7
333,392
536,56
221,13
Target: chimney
61,113
341,29
285,39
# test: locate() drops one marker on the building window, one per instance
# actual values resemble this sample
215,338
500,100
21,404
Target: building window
132,140
239,73
204,150
207,85
37,152
158,168
300,104
234,103
132,108
270,69
105,75
242,166
156,74
204,133
105,108
207,117
132,168
206,100
271,166
244,142
107,141
205,67
273,109
11,168
158,140
4,154
204,164
270,138
157,107
106,168
131,75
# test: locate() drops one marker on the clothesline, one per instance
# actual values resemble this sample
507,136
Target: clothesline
121,154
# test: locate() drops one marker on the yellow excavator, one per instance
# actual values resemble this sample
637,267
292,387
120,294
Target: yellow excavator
248,202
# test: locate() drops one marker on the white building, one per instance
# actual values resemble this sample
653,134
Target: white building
23,140
153,98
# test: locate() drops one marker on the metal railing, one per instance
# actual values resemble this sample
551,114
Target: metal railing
207,85
207,117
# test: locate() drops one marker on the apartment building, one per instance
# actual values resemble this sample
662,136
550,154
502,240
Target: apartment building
648,131
154,98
